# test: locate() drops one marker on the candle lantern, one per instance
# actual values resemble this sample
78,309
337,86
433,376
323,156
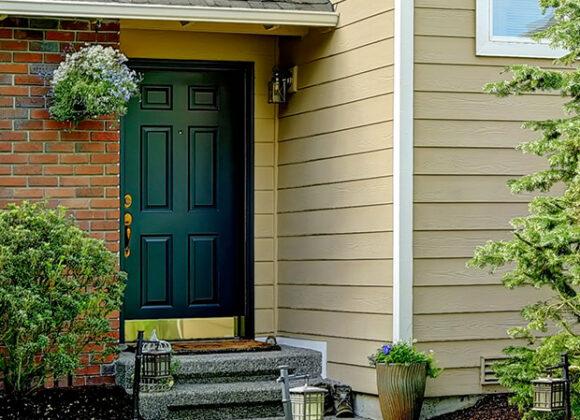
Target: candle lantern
156,365
307,402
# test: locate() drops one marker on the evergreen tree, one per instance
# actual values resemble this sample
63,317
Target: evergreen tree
544,252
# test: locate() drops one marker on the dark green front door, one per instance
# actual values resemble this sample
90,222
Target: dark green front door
183,183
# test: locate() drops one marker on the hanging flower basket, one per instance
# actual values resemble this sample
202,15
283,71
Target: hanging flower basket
90,83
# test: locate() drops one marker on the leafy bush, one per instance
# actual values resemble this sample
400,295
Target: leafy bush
405,354
544,252
57,287
92,82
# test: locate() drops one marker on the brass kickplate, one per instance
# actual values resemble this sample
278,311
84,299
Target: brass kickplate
182,329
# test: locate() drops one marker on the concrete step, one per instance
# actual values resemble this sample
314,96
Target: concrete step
221,401
223,386
231,367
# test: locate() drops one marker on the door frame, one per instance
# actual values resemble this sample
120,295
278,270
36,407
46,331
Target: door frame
246,324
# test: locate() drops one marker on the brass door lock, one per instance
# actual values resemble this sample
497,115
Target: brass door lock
127,221
127,201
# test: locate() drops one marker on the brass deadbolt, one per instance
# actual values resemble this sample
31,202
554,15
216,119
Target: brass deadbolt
127,200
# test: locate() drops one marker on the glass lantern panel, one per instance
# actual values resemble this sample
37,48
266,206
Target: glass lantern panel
558,390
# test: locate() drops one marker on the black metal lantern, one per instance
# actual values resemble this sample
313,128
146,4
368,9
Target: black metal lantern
549,394
278,86
156,365
553,394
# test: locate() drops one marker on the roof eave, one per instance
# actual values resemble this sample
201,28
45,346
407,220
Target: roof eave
107,10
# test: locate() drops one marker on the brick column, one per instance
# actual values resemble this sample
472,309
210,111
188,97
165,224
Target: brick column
41,159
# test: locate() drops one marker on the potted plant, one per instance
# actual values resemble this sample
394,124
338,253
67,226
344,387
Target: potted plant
90,83
402,372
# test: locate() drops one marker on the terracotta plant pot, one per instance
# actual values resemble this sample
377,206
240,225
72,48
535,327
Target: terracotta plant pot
401,390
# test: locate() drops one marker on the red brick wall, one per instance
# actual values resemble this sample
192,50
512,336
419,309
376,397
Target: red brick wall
77,167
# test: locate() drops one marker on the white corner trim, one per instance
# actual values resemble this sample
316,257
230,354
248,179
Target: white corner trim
320,346
403,172
506,46
99,9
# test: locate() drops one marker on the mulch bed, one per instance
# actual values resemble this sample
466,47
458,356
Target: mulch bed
91,402
112,403
492,407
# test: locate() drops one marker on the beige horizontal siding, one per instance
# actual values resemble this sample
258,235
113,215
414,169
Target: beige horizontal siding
353,299
339,169
447,161
337,273
334,194
470,134
450,272
466,216
461,188
363,246
362,326
337,118
465,326
364,139
347,64
471,299
364,192
346,220
464,156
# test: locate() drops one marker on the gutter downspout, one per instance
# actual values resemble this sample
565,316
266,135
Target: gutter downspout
403,172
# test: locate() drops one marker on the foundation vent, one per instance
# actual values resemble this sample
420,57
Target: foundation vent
487,374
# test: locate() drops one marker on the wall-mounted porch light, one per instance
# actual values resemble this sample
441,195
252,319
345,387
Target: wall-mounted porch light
279,86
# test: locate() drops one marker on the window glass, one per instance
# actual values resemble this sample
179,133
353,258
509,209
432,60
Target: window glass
518,18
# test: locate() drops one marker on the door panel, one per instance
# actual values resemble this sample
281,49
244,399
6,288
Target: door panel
202,166
183,164
156,176
203,269
156,273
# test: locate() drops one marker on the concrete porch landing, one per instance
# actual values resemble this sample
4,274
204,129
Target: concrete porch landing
223,386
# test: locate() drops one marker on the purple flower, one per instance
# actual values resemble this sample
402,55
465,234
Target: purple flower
387,349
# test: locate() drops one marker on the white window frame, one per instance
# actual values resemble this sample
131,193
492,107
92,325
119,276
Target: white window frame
506,46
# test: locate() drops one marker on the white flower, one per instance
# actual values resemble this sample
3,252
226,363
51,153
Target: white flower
91,82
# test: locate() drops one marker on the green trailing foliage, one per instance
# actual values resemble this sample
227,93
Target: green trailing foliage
403,353
544,252
92,82
57,288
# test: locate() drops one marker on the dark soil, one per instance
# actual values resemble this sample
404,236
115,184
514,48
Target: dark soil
86,403
112,403
493,407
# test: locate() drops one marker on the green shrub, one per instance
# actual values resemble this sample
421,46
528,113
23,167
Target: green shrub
57,287
405,354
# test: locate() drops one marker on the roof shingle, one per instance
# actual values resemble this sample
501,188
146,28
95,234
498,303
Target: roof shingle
308,5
